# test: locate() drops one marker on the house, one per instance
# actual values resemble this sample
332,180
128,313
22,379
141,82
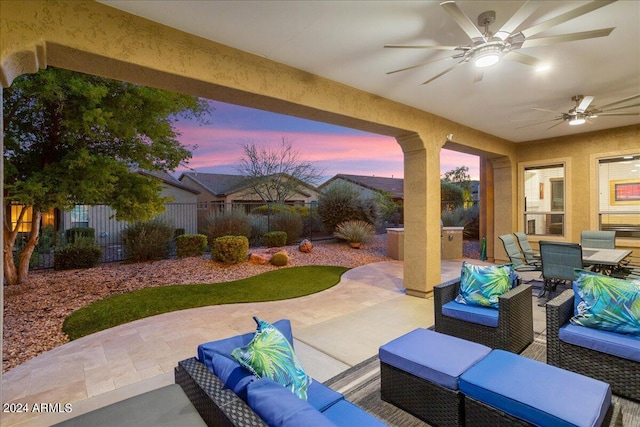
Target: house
370,186
218,192
558,180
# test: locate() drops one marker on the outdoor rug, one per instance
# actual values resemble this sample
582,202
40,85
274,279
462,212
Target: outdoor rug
361,385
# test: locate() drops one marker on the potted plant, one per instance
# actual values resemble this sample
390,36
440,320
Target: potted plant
355,232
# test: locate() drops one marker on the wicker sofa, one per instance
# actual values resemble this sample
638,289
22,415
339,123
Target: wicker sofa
238,398
515,319
623,374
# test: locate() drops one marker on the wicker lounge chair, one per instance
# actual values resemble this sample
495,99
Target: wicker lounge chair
515,319
622,374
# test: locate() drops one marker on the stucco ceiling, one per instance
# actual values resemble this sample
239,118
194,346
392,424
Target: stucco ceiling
343,41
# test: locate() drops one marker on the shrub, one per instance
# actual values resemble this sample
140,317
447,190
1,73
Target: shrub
354,231
234,222
274,239
341,202
279,259
191,245
230,249
290,223
146,241
82,253
72,234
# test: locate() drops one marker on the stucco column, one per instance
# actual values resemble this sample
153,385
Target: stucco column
421,216
504,188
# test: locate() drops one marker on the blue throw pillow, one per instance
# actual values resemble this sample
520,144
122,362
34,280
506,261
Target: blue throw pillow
482,285
608,303
270,355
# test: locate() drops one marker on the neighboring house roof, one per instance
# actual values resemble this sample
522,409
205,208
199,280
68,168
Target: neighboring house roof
221,185
168,179
393,186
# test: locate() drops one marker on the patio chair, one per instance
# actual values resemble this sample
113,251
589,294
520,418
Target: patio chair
598,239
515,319
514,254
529,254
559,262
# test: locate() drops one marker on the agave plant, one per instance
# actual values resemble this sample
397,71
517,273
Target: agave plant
354,231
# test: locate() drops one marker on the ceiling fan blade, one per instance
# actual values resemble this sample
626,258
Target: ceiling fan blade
584,104
557,124
548,111
418,46
422,64
542,41
463,21
478,75
518,18
620,101
618,114
620,108
444,72
523,59
579,11
539,123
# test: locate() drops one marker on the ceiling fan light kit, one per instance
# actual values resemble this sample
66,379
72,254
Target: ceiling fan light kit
579,119
487,56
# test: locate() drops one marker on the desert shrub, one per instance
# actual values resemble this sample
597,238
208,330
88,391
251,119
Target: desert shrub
279,259
234,222
463,217
230,249
290,223
355,231
190,245
72,234
82,253
341,202
146,241
274,239
259,226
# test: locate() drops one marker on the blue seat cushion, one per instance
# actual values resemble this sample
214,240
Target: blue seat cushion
279,407
620,345
321,397
345,413
486,316
433,356
536,392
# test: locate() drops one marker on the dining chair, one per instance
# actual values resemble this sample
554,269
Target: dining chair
559,262
598,239
514,254
529,254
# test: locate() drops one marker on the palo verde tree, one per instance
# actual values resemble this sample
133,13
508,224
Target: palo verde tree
276,174
72,138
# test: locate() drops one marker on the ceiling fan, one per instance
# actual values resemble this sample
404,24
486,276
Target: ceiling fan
584,111
487,48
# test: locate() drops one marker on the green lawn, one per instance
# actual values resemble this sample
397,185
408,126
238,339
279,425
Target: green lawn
271,286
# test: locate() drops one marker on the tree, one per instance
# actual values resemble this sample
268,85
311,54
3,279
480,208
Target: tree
459,176
276,174
72,138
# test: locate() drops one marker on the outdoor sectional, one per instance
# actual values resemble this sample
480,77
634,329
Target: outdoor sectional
240,397
608,356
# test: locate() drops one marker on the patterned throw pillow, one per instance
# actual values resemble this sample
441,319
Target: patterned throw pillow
270,355
482,285
608,303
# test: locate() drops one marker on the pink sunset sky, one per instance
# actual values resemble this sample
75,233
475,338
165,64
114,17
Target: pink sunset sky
331,149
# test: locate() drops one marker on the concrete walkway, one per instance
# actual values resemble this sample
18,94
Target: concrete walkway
334,330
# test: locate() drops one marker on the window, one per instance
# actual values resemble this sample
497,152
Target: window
80,216
544,199
619,195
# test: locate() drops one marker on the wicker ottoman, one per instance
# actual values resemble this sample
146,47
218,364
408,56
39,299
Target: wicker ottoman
508,389
419,373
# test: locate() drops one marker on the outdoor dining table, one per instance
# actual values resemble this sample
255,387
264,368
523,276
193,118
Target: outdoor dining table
605,260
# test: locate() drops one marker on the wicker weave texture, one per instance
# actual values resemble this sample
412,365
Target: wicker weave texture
430,402
622,374
515,325
217,405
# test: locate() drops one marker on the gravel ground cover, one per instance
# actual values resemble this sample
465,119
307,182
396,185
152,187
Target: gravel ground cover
34,312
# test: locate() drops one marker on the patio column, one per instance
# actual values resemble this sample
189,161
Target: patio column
421,215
